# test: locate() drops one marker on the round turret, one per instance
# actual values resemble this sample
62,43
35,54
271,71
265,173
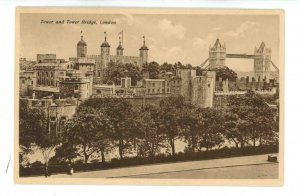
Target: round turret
81,47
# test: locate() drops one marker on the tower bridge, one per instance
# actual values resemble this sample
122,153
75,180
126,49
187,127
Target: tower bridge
261,58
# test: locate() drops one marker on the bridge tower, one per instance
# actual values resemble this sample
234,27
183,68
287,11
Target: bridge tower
217,55
262,62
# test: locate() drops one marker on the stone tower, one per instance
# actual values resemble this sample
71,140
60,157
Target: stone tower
120,48
217,55
262,61
105,52
143,53
203,88
81,47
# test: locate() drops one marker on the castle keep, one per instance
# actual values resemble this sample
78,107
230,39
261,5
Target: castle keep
105,56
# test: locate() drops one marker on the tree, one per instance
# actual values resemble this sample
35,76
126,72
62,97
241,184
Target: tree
191,126
235,129
115,71
225,73
152,68
34,131
86,130
66,152
167,67
213,123
150,140
120,115
169,119
258,119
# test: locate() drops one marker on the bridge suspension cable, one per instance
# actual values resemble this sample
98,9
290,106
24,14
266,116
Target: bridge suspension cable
275,66
202,64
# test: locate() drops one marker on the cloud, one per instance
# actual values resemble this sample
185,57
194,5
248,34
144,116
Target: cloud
170,30
174,52
216,28
203,43
241,29
168,54
197,41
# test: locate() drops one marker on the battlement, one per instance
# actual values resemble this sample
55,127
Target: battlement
74,80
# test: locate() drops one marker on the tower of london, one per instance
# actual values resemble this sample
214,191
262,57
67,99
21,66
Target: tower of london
105,57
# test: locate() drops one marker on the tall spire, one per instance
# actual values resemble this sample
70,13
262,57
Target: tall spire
81,35
104,35
144,40
120,41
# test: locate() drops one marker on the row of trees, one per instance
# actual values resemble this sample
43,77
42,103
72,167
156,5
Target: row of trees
115,71
104,125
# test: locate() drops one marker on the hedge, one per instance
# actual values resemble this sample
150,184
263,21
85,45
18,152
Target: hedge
162,158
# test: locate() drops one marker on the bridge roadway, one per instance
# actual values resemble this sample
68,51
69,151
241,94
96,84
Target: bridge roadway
247,167
241,56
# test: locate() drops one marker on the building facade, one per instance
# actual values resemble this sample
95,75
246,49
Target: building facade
217,55
262,63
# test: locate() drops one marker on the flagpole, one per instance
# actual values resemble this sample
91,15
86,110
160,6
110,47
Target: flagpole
122,39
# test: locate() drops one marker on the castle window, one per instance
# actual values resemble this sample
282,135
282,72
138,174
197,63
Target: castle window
168,90
76,87
152,90
148,90
208,85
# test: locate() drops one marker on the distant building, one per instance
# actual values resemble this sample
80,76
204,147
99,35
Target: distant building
45,58
48,73
217,55
156,86
262,63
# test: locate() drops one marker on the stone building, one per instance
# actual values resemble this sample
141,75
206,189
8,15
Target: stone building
186,76
156,86
105,57
262,63
198,90
48,73
58,112
203,88
27,80
76,84
45,58
217,55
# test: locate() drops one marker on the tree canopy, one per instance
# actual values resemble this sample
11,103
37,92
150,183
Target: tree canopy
115,71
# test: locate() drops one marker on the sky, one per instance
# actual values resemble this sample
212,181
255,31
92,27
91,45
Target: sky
170,38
